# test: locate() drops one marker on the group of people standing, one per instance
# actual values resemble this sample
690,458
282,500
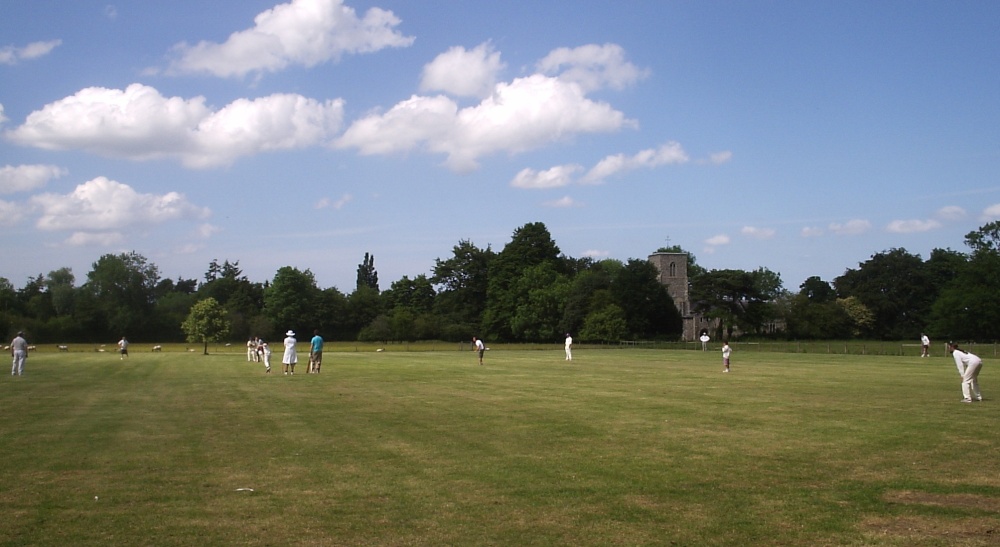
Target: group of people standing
258,351
290,358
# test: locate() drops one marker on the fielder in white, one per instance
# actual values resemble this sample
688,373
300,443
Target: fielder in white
19,351
569,347
968,366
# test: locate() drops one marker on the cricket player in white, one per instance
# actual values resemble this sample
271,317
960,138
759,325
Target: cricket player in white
968,366
19,351
569,347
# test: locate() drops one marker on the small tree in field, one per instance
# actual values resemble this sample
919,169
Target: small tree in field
206,323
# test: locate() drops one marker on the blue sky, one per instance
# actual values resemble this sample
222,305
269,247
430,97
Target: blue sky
798,136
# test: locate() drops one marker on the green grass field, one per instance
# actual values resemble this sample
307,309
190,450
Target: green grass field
621,447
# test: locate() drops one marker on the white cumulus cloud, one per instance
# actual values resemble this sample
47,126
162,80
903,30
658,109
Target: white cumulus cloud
669,153
950,213
851,227
592,67
11,213
718,158
912,226
338,204
463,73
102,205
10,55
522,115
991,213
562,203
554,177
758,233
21,178
101,239
207,230
301,32
715,241
141,124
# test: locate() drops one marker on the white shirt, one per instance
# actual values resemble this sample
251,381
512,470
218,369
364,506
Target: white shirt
569,341
964,359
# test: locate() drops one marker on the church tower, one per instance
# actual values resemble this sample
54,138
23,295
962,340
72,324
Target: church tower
673,274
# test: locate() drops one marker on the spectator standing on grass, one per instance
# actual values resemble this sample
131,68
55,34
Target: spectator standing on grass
925,345
289,359
968,366
569,347
19,352
315,352
704,341
123,348
477,345
726,352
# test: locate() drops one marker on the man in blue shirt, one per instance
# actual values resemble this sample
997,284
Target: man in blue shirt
315,352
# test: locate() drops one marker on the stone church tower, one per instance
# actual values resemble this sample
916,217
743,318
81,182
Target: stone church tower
673,274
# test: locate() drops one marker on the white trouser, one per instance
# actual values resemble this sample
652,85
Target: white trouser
17,368
970,380
569,354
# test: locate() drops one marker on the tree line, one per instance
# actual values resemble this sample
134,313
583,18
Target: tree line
529,291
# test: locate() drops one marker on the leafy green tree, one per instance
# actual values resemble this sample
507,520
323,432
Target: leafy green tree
291,300
60,286
367,275
540,293
121,290
762,310
588,291
402,324
363,306
986,239
463,280
416,295
817,291
894,285
333,316
379,330
171,311
967,308
243,299
604,325
9,318
808,319
814,312
943,266
862,319
531,245
207,322
8,296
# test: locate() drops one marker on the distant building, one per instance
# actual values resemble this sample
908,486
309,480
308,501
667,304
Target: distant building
673,275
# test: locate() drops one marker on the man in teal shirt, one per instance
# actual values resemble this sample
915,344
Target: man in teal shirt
315,352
